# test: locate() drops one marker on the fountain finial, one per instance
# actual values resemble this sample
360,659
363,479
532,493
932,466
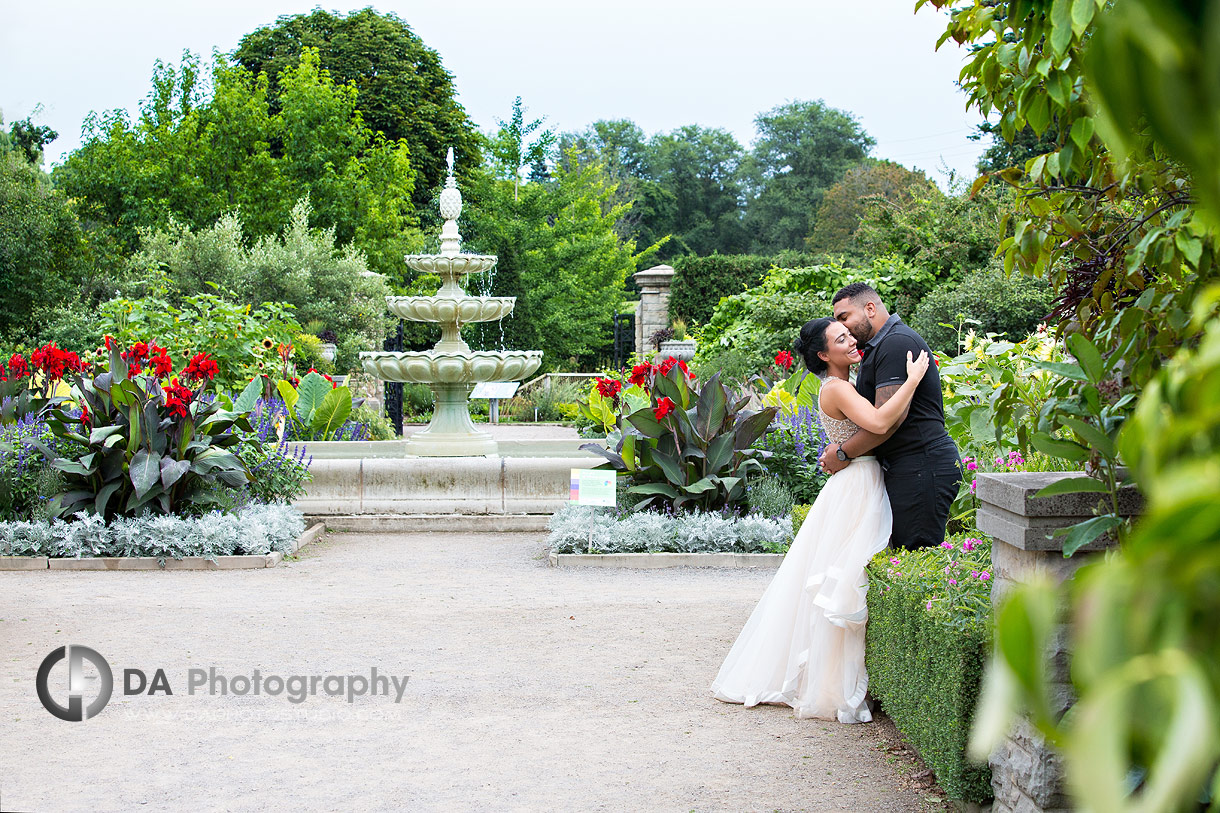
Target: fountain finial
451,209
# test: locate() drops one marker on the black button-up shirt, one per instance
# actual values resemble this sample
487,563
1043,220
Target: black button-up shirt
885,364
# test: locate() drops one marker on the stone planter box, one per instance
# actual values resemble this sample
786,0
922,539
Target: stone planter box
251,562
1026,773
682,350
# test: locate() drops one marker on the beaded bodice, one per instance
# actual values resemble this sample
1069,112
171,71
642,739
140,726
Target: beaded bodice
837,431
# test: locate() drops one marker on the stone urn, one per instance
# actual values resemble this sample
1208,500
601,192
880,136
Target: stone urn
327,351
682,350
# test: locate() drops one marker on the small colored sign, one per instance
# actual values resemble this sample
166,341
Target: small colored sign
495,389
593,487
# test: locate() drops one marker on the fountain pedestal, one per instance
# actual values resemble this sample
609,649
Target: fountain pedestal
451,369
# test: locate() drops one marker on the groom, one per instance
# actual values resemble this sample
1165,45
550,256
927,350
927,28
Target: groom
921,462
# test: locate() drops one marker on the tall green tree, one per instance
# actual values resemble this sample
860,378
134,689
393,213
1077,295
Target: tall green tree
697,168
559,254
403,89
519,145
802,149
192,157
45,258
843,204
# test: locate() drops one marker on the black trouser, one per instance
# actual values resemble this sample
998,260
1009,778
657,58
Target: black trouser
922,486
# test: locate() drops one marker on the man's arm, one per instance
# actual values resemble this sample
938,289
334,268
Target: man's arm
862,442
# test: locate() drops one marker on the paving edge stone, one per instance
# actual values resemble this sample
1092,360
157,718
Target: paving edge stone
249,562
654,560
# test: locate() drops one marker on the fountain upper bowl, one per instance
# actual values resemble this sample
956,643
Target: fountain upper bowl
451,265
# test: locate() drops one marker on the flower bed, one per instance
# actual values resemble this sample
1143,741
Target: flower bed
254,530
581,529
927,642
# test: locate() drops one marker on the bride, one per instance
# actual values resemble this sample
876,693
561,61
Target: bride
803,645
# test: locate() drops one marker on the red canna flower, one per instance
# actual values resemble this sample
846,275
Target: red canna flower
199,368
177,398
784,359
84,415
17,367
608,387
640,374
669,364
664,407
162,364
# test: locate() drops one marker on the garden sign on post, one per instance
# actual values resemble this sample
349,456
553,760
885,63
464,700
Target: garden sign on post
593,487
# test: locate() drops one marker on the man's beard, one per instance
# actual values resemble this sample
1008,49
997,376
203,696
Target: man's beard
863,332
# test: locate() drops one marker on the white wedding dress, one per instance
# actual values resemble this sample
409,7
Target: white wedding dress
803,645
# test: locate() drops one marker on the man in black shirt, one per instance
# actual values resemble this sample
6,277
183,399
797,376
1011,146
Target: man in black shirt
921,462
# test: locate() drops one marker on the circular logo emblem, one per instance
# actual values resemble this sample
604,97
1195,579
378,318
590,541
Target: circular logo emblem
76,710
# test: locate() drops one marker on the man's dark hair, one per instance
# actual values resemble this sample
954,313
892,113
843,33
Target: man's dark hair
856,292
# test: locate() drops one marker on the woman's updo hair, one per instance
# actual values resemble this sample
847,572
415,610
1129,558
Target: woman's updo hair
811,341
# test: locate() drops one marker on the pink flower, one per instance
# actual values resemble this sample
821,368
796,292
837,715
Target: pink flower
953,582
947,545
928,606
972,466
974,484
970,544
895,561
974,573
984,575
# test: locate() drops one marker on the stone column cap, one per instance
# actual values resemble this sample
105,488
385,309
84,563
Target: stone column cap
657,276
1014,492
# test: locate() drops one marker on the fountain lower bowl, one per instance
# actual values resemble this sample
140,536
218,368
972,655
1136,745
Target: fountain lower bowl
444,309
433,367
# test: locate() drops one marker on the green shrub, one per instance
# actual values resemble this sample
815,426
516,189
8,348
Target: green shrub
374,421
554,403
799,512
277,475
795,441
925,649
769,497
307,354
238,337
1011,307
700,282
26,478
416,400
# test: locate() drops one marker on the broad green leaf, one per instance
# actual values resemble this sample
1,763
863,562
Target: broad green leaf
1024,622
628,452
700,486
663,489
288,393
671,467
102,433
1082,533
720,452
134,435
1082,15
645,421
750,428
172,471
71,467
1061,26
1086,353
1082,133
332,412
103,497
310,394
249,396
144,471
710,409
1063,369
981,428
1055,447
1092,435
1073,485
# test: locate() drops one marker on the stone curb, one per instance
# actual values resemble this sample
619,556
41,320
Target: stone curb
255,562
655,560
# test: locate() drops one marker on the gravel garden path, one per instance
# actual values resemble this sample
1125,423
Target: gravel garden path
531,689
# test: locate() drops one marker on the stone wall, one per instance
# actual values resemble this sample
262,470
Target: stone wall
652,312
1026,774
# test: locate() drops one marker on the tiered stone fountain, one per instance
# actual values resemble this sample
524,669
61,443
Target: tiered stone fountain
451,369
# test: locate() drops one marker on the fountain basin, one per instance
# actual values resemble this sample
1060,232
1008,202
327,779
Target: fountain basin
442,367
451,266
444,309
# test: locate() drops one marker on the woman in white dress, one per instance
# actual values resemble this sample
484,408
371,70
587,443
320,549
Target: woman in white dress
803,645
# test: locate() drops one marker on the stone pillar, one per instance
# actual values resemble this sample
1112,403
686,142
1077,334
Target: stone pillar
1026,774
652,313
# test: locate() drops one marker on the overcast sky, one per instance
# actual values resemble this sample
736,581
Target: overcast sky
661,63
